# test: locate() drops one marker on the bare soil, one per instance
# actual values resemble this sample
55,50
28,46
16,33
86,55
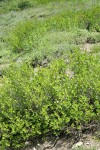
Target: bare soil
88,138
63,143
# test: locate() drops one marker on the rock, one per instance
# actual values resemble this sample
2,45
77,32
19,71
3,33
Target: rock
45,62
36,71
38,144
87,143
27,143
19,60
33,148
90,40
69,73
77,145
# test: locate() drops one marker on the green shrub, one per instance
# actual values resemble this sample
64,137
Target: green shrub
28,34
88,19
25,36
24,4
18,36
84,19
42,100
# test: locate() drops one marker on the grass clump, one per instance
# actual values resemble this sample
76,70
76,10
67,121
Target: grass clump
42,100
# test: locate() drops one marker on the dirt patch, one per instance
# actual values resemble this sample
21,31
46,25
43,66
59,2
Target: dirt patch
87,47
2,66
91,142
88,141
86,138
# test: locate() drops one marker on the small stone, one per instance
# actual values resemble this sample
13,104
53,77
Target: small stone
87,143
77,145
45,62
69,73
38,144
27,143
33,148
36,71
19,60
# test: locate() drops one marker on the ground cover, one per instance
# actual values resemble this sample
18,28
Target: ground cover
49,68
53,20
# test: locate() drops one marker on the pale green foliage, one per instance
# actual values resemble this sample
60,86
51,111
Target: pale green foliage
28,34
36,101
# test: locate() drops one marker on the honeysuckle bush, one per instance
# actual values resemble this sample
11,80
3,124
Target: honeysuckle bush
36,101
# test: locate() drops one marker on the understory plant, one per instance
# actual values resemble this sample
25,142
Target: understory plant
37,101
